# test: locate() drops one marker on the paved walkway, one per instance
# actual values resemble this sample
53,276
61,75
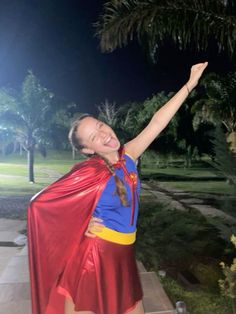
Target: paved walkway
182,200
14,287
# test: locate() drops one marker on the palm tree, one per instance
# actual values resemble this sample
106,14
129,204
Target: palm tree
6,139
25,114
151,21
219,104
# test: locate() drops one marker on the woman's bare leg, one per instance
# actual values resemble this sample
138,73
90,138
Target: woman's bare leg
138,309
69,308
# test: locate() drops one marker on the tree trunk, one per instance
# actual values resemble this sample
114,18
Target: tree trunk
73,153
31,164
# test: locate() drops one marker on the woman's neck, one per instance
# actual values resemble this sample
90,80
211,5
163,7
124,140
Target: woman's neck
112,157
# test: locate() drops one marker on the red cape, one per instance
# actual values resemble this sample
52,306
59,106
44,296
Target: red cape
57,219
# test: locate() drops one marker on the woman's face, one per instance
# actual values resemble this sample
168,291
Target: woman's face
97,137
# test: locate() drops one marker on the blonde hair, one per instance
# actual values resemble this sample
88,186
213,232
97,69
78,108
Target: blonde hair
78,145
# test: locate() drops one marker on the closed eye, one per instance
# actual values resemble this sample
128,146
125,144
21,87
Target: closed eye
93,138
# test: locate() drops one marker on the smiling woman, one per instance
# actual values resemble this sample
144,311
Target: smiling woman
82,228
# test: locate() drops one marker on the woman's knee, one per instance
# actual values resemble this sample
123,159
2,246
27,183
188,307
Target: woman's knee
138,309
69,308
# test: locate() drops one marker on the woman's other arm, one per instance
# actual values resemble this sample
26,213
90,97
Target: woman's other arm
163,116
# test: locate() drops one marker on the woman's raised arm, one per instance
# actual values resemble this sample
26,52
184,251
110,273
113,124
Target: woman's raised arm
162,117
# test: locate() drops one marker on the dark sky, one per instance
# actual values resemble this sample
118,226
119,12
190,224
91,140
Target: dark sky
56,40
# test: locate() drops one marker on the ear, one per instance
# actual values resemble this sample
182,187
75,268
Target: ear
87,151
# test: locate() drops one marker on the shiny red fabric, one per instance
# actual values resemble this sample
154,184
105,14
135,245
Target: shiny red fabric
106,278
56,221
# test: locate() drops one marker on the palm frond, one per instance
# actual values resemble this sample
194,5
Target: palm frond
12,120
8,100
185,21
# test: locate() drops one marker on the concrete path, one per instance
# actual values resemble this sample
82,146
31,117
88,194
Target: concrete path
14,277
14,286
183,201
14,283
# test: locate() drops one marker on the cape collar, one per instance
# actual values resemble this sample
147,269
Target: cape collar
121,162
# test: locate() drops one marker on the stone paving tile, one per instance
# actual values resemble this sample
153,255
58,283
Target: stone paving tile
182,193
16,307
155,298
14,292
162,197
6,236
208,210
23,251
14,285
162,312
177,205
6,253
141,268
16,270
192,201
13,225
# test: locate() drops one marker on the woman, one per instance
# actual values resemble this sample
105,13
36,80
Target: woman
85,223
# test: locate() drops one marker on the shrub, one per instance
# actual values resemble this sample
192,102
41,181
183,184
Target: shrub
174,239
208,275
197,302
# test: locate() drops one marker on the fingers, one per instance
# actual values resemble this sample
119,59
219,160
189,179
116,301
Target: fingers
89,234
199,66
96,219
196,73
96,228
95,225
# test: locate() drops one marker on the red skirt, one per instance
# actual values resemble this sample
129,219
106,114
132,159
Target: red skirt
105,275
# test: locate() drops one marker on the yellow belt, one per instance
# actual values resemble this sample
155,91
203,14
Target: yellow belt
115,236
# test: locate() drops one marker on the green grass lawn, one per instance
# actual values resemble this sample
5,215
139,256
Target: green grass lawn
14,172
17,186
17,165
201,187
198,180
188,172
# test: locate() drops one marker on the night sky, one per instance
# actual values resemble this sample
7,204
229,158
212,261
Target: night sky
56,40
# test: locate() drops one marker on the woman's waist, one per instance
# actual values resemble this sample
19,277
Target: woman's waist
125,238
120,222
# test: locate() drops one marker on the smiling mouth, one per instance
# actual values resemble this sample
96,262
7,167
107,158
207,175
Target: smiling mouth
111,142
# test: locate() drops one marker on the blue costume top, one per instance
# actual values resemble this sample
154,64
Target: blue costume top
109,207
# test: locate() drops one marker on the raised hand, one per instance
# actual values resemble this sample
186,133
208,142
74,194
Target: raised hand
95,225
195,74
